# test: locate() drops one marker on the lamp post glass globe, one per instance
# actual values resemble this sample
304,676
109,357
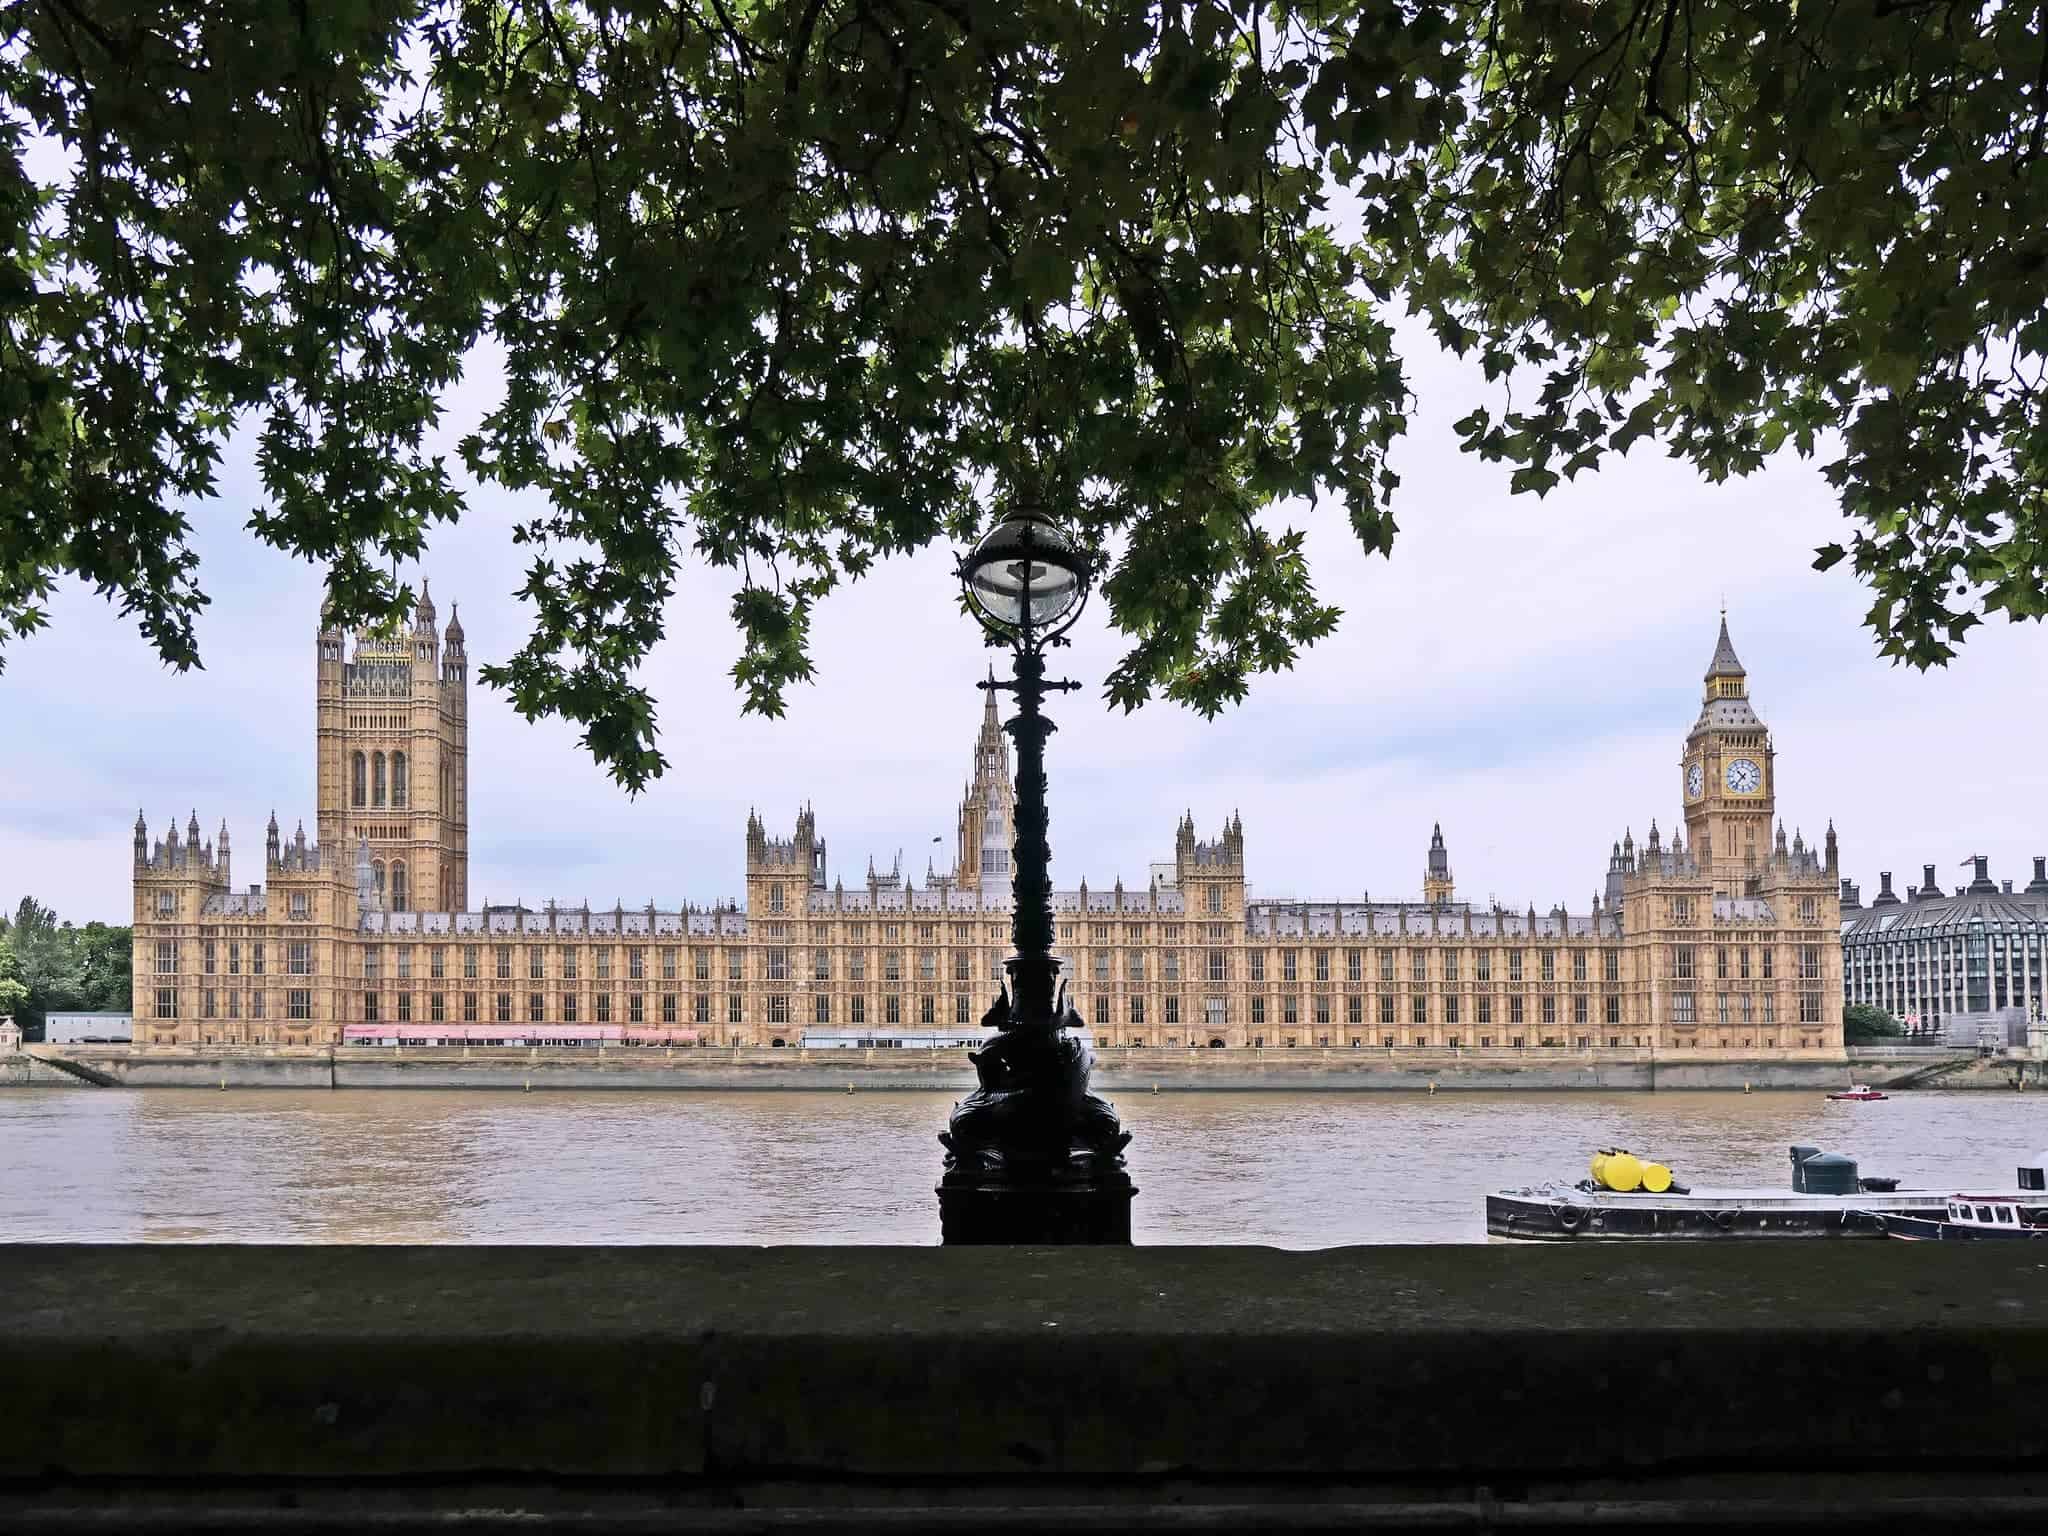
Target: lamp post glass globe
1025,575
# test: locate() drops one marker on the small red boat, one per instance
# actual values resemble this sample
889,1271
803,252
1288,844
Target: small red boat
1860,1092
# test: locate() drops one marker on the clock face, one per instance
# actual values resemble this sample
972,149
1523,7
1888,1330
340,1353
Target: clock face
1744,777
1695,781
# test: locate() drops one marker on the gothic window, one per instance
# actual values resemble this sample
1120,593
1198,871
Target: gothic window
774,898
358,780
1215,898
377,869
400,780
401,890
377,778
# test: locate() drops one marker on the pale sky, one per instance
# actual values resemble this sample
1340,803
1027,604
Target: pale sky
1525,672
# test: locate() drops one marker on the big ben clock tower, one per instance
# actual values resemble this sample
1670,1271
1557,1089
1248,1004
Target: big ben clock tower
1728,780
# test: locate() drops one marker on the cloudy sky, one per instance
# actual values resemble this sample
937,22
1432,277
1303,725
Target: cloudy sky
1523,672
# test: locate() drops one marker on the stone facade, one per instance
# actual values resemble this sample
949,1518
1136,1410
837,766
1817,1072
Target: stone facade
1730,943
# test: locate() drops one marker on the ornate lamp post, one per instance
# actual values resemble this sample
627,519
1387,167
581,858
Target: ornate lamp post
1031,1155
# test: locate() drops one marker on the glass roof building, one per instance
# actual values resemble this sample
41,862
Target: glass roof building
1933,959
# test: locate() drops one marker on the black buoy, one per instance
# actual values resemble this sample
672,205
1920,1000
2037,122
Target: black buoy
1799,1157
1829,1173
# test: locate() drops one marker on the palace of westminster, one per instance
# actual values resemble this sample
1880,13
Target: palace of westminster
1723,938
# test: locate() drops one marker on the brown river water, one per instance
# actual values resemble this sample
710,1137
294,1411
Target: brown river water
1299,1170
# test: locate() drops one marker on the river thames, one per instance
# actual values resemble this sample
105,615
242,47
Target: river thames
1303,1170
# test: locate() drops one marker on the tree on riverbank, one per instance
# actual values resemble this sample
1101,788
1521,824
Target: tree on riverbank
13,993
1863,1025
791,287
62,968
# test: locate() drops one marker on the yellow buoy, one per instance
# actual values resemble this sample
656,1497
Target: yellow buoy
1656,1178
1617,1170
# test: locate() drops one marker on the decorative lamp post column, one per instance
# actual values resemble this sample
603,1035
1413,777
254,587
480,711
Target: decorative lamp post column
1031,1155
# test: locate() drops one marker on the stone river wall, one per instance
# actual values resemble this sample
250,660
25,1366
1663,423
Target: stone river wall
718,1069
1759,1387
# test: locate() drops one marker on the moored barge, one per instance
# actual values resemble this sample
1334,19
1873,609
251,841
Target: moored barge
1828,1199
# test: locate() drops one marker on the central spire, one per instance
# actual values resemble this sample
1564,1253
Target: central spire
1725,662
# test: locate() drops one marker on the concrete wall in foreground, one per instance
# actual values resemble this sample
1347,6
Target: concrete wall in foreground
1125,1071
1755,1387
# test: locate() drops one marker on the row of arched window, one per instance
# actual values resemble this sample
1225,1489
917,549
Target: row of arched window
375,780
399,892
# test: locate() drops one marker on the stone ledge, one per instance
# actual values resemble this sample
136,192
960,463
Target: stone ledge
943,1386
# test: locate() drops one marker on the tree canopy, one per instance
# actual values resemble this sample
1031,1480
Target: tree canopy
1861,1024
13,991
789,286
47,964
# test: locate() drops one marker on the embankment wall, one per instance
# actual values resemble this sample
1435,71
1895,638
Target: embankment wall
721,1070
1756,1387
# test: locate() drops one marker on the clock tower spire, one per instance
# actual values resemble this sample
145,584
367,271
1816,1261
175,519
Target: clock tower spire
1728,779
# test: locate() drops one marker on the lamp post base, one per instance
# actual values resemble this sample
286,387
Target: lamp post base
1032,1156
1035,1215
